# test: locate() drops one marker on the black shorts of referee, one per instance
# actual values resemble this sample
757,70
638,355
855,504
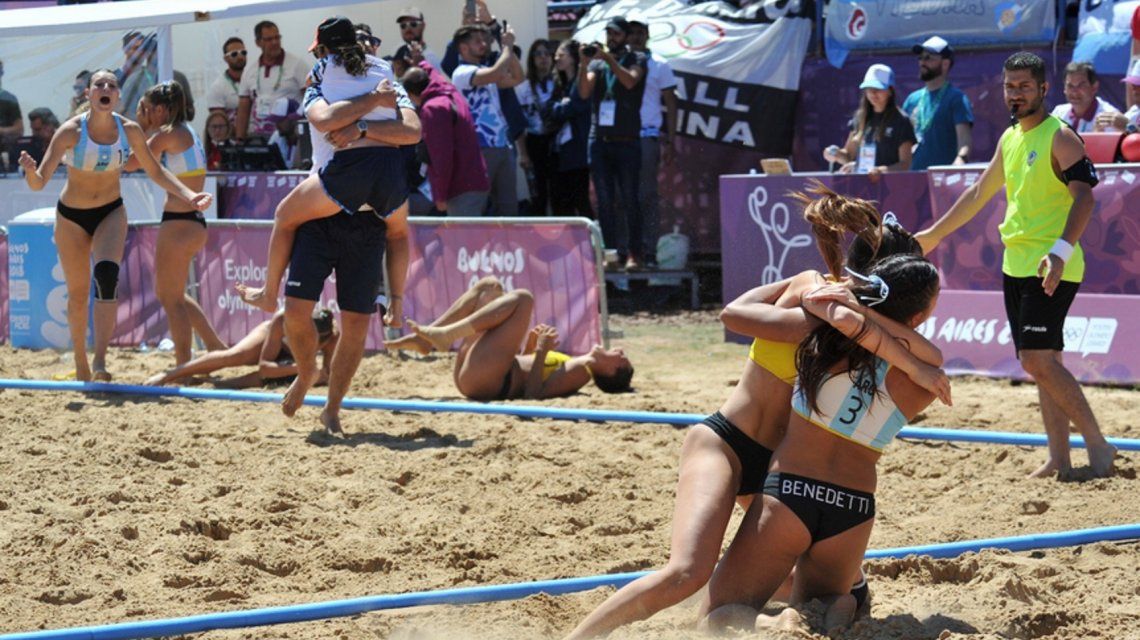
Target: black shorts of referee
1037,321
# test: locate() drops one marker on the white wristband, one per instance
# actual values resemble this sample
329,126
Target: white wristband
1062,249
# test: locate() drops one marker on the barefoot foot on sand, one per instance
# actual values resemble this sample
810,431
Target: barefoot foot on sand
1049,468
295,395
1101,460
436,336
257,297
840,614
410,342
331,424
788,620
100,375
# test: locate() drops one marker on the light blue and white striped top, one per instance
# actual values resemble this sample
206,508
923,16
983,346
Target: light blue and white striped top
191,162
89,155
852,411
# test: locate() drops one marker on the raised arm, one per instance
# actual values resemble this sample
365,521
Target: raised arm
65,138
967,206
158,173
754,314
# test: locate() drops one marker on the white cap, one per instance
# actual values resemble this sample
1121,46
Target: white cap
1133,75
879,76
936,45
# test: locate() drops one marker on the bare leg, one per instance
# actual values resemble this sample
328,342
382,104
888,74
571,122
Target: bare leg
307,201
74,247
346,359
1049,372
442,336
1056,423
201,324
245,353
178,241
108,243
497,330
303,343
709,476
481,293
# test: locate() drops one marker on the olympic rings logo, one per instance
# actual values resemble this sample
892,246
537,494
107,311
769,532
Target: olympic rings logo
699,35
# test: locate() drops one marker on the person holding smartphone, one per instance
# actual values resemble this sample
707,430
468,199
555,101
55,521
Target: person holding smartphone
614,81
412,26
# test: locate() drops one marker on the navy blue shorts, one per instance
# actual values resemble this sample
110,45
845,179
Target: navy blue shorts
352,246
1037,321
372,175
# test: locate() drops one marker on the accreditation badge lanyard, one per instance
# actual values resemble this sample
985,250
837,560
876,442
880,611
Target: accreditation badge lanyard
924,113
607,110
265,102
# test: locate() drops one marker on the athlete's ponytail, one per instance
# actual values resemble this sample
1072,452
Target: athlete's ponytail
170,95
831,215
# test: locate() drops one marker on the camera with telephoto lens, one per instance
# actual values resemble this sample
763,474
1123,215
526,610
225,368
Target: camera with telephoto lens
590,50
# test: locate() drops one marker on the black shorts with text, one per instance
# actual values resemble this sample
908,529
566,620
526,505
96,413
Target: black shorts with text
1037,321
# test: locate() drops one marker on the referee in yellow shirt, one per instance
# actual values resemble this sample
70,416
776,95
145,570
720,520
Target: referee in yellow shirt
1048,186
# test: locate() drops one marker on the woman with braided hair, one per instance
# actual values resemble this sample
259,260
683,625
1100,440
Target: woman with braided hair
725,457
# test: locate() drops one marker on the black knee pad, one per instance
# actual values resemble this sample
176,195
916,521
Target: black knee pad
106,280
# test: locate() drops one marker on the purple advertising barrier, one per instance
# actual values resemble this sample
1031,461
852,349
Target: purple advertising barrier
236,252
3,287
254,195
829,96
140,316
970,258
1101,345
763,234
555,261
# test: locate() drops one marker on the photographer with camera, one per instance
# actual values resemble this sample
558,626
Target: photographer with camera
615,83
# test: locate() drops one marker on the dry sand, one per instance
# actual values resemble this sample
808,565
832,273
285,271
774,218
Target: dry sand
118,508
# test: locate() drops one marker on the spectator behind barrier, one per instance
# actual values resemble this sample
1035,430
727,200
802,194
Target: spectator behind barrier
1084,107
881,135
412,25
222,96
569,117
364,36
614,80
277,74
481,85
940,112
456,171
534,95
79,97
140,72
219,130
11,120
656,140
1133,101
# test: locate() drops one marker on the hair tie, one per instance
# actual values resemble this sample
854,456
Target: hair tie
890,218
875,281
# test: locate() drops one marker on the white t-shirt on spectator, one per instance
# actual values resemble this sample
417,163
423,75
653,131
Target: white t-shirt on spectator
1065,112
332,83
532,98
486,111
286,80
659,78
223,94
1133,113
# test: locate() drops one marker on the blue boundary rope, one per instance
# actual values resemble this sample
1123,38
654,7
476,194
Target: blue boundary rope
492,593
524,411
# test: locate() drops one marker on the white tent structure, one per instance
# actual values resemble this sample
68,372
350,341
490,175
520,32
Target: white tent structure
44,48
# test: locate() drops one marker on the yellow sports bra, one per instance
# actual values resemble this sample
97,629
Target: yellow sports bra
554,359
779,358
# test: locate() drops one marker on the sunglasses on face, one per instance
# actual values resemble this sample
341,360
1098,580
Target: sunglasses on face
368,40
409,24
237,53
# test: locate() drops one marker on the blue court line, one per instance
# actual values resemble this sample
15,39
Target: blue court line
493,593
524,411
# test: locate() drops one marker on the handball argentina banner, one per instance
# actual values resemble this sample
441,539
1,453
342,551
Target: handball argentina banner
857,24
738,70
